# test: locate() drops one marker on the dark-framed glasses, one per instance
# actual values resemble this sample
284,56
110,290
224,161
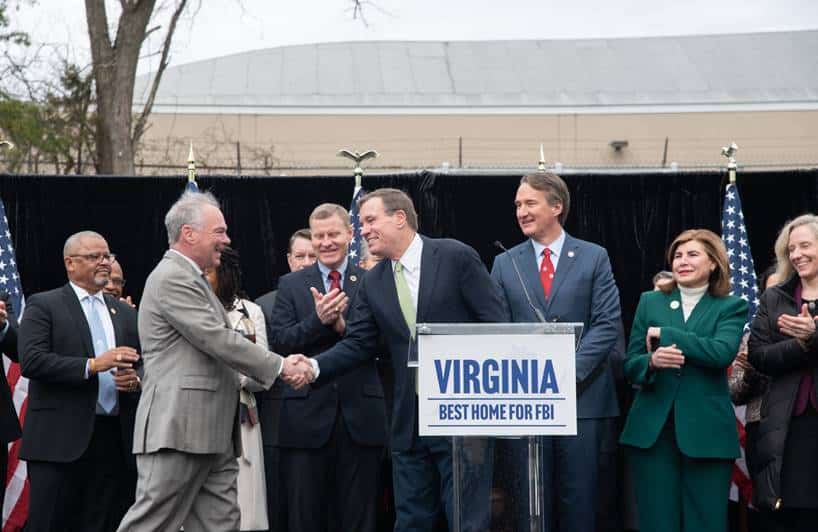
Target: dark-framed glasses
96,257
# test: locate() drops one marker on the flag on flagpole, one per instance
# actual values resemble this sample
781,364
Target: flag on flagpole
191,186
355,244
744,285
15,506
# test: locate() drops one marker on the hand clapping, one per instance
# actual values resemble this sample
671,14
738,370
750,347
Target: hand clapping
330,307
801,326
297,371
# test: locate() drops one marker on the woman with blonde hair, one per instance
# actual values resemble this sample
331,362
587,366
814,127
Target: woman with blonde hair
784,346
681,432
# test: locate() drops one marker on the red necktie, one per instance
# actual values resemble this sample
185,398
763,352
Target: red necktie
546,272
334,280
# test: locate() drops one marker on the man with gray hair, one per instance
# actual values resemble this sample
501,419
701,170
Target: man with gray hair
187,425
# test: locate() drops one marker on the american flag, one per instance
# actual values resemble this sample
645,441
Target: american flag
191,186
15,506
744,284
355,244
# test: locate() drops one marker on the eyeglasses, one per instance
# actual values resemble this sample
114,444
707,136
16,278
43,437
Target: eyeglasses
96,257
118,282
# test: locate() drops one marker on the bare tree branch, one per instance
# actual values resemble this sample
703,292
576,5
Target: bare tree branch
139,128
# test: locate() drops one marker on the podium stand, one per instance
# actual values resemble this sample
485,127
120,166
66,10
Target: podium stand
496,389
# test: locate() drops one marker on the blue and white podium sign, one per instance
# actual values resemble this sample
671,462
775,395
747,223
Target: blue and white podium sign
516,379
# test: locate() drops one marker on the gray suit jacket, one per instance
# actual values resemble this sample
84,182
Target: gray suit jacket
190,390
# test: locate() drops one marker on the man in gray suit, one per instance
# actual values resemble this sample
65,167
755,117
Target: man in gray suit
187,426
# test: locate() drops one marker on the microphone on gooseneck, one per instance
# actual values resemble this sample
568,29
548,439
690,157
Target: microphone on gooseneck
537,312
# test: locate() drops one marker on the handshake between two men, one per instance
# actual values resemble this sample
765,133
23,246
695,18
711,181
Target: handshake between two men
330,307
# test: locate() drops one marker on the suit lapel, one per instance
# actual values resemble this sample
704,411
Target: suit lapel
568,257
530,270
352,280
428,276
75,310
119,335
674,307
202,282
313,279
385,277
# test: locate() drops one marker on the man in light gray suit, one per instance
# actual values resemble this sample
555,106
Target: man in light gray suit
187,427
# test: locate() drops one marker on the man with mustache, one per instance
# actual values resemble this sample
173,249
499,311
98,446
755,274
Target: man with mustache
78,348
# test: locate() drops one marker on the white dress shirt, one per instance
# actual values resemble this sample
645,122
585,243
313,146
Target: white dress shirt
411,267
554,247
104,317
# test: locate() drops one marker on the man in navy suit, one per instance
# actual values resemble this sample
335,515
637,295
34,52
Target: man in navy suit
567,280
331,437
420,280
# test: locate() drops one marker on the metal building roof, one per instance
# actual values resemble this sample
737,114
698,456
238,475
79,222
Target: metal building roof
756,70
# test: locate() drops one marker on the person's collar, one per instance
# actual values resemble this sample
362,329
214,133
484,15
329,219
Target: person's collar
410,260
555,246
693,291
324,269
82,293
191,261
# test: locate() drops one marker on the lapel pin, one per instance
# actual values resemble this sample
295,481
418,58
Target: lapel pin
571,254
353,278
674,305
113,310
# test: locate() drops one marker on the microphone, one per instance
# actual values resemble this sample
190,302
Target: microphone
537,312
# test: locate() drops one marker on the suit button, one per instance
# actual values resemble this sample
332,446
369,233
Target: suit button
334,385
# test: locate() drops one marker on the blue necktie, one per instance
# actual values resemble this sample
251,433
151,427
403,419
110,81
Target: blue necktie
106,397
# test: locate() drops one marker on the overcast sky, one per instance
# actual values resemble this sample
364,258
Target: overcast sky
222,27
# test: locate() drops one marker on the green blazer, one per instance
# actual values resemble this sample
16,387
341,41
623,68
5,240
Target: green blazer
705,424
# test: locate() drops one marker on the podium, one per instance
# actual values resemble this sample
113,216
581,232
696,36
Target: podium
496,389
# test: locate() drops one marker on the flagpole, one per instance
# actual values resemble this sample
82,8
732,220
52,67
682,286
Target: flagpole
357,158
192,185
541,163
730,152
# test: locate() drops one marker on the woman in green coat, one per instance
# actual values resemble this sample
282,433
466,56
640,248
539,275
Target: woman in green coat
681,430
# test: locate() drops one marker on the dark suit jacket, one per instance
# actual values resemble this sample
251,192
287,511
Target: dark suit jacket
267,302
308,415
583,291
697,395
55,345
9,424
269,401
454,288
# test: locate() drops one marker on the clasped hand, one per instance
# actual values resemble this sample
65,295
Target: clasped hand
297,371
663,357
801,326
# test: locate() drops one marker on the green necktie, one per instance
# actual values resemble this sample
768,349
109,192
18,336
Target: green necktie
405,299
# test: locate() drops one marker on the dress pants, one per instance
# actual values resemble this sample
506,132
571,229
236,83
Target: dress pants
84,495
334,487
676,493
422,480
175,489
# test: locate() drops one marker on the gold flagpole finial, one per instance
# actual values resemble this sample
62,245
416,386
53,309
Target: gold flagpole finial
357,158
191,165
541,163
730,152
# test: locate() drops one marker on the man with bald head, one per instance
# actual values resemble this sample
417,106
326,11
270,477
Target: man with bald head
78,348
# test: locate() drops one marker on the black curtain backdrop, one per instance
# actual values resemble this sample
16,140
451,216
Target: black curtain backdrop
634,216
